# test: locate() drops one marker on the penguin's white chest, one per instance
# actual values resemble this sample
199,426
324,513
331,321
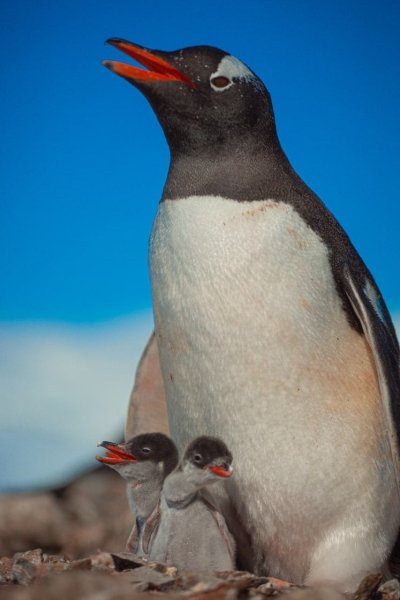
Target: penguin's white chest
237,266
255,348
247,288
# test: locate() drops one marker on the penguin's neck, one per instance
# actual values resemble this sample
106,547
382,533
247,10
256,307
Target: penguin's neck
181,488
251,170
143,496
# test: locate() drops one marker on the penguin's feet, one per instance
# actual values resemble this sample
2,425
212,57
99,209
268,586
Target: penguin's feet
278,584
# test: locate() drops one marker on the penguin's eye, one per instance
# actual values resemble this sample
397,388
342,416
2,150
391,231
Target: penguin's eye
220,82
197,458
146,450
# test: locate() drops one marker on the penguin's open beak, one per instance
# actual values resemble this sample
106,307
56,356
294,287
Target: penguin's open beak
224,470
115,454
160,69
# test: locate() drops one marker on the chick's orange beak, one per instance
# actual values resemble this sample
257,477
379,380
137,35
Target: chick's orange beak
221,470
115,454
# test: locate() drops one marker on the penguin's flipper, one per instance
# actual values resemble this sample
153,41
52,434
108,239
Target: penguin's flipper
379,332
150,528
222,526
132,543
230,542
147,410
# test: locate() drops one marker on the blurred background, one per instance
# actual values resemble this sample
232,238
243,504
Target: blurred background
83,162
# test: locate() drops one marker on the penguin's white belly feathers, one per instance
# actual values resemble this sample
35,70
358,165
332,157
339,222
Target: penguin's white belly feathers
255,348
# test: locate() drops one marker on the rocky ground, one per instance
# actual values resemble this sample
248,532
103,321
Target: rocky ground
68,544
90,513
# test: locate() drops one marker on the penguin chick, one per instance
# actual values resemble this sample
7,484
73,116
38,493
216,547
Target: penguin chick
192,535
144,462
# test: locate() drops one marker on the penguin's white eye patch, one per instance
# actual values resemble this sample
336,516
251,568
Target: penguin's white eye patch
229,68
220,82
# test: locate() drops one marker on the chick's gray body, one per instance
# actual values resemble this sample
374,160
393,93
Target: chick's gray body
192,539
192,535
144,462
271,332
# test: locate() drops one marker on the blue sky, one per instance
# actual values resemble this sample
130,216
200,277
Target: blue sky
83,159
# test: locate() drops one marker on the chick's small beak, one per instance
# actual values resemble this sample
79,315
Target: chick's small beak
224,470
115,455
160,69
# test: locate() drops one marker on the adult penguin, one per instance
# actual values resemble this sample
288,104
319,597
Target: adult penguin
270,331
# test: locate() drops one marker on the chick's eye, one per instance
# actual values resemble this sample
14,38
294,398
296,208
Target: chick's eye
146,450
197,457
220,82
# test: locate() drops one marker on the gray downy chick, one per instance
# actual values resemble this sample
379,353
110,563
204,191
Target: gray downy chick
192,534
144,462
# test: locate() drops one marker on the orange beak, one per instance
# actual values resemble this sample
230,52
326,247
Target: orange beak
221,470
115,454
160,69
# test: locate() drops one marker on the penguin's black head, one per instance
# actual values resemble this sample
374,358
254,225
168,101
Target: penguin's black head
154,447
210,453
201,95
